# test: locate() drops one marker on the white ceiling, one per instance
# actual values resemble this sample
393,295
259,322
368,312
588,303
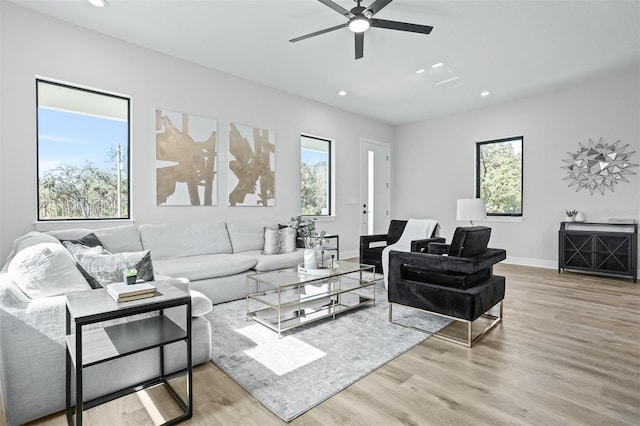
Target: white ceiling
512,48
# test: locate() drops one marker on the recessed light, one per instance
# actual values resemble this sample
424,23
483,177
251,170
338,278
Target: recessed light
99,3
342,93
439,64
420,71
485,93
447,80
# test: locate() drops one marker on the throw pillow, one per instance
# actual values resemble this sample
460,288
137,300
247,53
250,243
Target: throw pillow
89,240
83,246
299,240
107,268
279,241
45,270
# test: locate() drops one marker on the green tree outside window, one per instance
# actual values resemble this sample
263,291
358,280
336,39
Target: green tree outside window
499,176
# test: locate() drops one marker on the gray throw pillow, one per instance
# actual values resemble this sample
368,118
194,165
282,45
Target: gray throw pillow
79,248
279,241
89,240
107,268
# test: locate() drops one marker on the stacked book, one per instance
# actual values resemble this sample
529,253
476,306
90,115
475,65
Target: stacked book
122,292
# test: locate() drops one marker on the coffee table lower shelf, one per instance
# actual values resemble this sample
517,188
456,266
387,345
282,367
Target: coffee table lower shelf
280,321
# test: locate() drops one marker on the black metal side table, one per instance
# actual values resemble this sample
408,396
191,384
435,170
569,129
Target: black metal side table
86,348
337,246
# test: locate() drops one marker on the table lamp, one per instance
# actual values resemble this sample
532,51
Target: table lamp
471,209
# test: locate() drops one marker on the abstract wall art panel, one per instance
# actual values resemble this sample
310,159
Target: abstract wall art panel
252,158
599,166
186,167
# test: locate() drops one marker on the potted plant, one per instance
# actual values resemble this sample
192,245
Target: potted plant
130,276
306,229
570,215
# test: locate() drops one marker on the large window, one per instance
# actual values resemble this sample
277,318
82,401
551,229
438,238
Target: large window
315,176
83,153
499,175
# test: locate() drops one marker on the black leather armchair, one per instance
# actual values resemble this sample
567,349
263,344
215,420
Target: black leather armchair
460,285
373,255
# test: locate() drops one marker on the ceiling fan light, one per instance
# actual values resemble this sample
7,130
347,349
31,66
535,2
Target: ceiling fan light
359,24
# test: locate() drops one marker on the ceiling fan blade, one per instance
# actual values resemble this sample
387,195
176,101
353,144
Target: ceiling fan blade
359,45
377,5
341,10
326,30
402,26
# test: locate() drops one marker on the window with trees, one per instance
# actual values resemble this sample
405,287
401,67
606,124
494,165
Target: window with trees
315,176
499,175
83,153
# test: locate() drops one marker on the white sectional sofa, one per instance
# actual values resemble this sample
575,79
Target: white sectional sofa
211,258
214,256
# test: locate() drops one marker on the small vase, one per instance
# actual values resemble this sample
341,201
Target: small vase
310,259
570,219
580,217
130,280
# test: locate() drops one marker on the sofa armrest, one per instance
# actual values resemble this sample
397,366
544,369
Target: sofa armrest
420,245
32,354
465,265
366,240
438,248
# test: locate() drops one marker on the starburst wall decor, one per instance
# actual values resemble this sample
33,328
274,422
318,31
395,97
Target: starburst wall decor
598,166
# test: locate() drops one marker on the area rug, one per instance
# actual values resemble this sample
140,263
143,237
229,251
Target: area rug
309,364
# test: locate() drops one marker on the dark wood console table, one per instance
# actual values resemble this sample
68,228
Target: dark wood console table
599,248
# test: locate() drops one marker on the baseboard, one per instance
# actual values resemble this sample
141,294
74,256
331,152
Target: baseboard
538,263
349,254
526,261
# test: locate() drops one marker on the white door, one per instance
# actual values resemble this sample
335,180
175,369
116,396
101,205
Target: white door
374,187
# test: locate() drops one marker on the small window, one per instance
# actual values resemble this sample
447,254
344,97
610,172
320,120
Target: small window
315,176
499,175
83,153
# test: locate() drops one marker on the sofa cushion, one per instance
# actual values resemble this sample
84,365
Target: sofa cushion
185,239
396,228
279,241
107,268
46,269
204,266
116,239
469,241
120,239
271,262
248,235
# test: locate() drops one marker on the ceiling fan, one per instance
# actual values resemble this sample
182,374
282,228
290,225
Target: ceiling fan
361,18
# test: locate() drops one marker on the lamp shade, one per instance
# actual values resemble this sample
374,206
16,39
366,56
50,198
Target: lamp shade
471,209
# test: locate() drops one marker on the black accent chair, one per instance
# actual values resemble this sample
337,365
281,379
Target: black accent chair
460,285
373,255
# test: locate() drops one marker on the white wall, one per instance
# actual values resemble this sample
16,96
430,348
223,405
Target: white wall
434,162
33,44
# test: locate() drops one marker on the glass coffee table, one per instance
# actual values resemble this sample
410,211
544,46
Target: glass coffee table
285,299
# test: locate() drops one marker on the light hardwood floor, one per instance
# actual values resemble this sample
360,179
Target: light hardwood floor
567,353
